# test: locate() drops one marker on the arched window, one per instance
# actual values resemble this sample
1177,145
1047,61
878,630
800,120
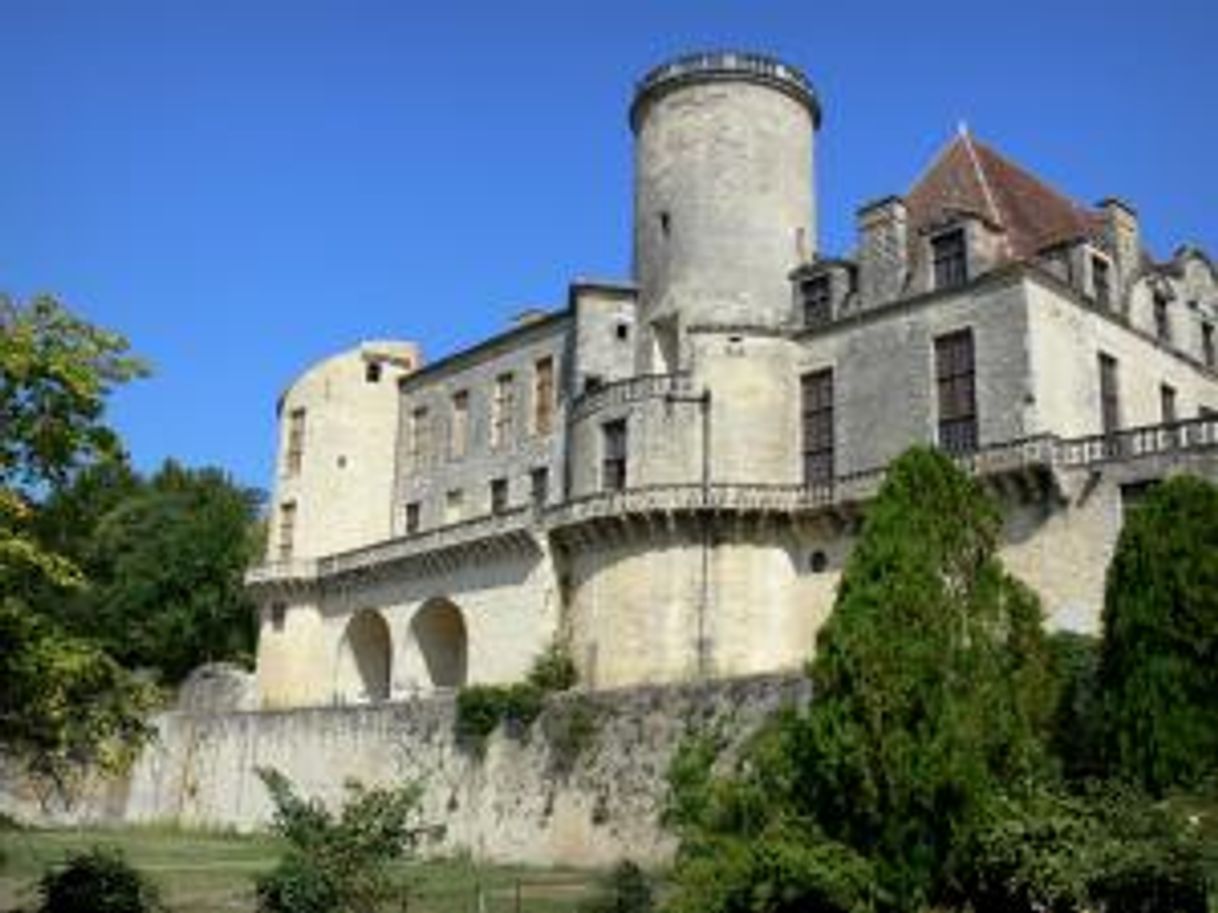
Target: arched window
365,659
439,630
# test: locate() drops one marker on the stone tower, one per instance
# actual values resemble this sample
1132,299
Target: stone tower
723,206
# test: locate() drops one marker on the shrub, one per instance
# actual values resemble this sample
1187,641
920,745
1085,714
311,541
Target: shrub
97,881
337,864
626,889
554,670
479,709
1159,659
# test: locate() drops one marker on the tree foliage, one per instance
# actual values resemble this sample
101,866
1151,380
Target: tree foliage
932,693
337,863
98,881
1159,662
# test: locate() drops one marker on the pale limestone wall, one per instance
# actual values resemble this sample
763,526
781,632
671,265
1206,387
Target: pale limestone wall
883,364
528,800
508,605
429,480
603,340
344,487
723,206
1065,342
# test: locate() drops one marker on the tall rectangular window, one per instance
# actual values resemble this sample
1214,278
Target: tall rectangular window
956,379
1101,281
454,505
613,461
1162,319
294,456
503,406
412,517
816,395
1110,395
418,438
543,395
458,429
287,530
816,296
1167,403
949,259
499,495
539,483
1209,354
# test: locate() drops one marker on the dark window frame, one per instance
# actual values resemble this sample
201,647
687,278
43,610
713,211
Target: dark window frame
816,300
956,391
817,426
1101,281
614,454
1110,394
500,495
949,258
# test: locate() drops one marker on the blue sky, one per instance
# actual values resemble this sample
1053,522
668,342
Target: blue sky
244,187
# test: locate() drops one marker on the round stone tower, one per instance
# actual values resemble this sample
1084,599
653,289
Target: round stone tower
724,204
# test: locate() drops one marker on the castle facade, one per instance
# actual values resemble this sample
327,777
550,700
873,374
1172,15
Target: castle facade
666,475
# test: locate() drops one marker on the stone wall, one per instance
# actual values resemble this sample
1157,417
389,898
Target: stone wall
542,796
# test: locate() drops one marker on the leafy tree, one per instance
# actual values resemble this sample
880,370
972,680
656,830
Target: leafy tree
337,864
98,881
933,693
64,704
1159,661
169,561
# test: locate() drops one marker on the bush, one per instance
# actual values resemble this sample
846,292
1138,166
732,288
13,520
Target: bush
97,881
554,670
1159,659
479,710
337,864
626,889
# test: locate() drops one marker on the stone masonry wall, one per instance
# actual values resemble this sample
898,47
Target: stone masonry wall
542,796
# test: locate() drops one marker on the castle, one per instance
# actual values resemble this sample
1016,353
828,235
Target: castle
666,475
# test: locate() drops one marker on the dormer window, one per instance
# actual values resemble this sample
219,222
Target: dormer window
1162,319
1101,281
816,297
948,257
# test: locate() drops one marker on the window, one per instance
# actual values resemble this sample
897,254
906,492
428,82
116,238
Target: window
279,613
294,457
622,331
454,504
499,495
287,530
418,444
948,258
1208,353
543,395
816,394
955,376
1162,318
372,372
539,483
412,518
502,408
815,294
1110,403
458,428
593,382
1167,403
613,466
1101,282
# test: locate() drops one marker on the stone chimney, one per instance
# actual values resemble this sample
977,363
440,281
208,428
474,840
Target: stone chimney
883,250
1121,229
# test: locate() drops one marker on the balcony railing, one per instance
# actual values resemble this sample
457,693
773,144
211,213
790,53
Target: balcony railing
630,390
1130,443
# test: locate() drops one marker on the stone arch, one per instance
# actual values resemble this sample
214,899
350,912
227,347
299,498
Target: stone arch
365,659
439,630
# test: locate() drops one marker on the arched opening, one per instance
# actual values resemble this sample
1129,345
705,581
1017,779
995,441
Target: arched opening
439,630
364,658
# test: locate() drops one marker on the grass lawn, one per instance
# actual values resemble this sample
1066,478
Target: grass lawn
201,872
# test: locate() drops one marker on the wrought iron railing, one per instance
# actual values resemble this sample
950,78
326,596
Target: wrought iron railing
629,390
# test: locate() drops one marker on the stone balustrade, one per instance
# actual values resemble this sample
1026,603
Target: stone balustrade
630,390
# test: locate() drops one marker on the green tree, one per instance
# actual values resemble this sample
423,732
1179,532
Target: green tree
168,563
64,704
1159,660
337,863
932,694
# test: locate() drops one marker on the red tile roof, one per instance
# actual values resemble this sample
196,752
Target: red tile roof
970,177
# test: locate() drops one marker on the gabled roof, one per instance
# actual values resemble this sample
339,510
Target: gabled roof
970,177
